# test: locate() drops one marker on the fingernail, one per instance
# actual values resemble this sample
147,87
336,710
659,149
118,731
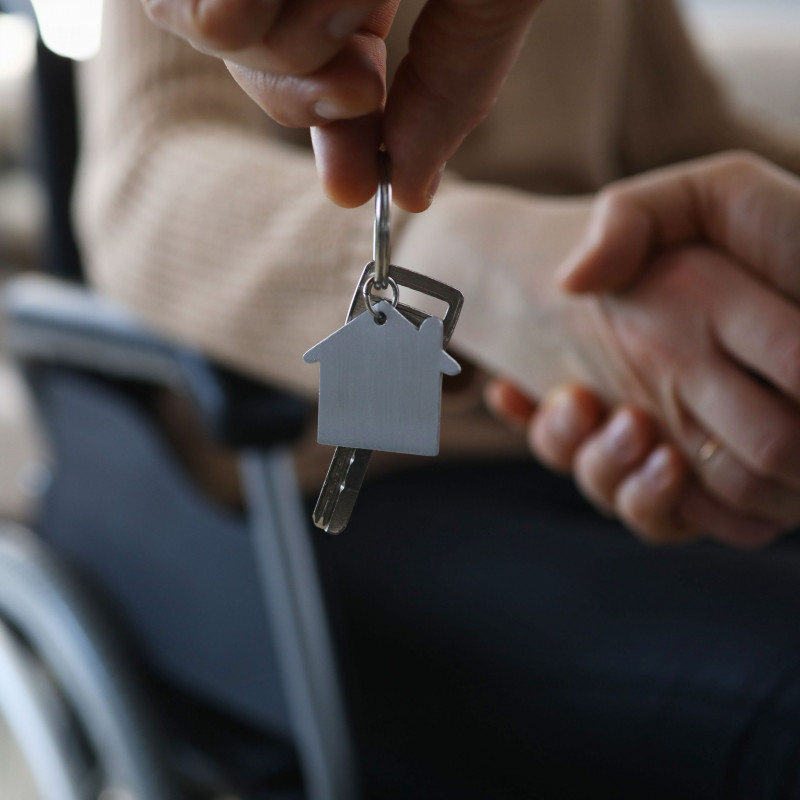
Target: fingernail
620,438
347,21
328,109
656,470
435,184
567,421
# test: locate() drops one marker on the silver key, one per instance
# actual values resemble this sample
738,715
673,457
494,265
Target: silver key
349,465
341,488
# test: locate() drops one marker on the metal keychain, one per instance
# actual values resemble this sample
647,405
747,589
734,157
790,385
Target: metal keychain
378,341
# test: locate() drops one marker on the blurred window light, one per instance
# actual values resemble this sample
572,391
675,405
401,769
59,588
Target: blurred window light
753,24
17,46
70,28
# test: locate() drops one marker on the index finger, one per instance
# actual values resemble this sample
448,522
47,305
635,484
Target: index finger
460,52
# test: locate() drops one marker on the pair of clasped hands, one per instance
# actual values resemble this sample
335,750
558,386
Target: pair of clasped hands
692,274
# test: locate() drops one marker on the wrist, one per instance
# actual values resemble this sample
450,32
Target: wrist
502,249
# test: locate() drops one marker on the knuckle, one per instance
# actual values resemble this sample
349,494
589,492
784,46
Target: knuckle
610,199
159,11
741,162
219,23
208,19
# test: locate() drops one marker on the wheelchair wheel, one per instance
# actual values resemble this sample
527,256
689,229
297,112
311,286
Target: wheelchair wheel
68,705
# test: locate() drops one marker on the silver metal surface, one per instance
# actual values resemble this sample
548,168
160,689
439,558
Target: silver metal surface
406,279
381,236
380,384
79,657
340,489
349,465
295,603
368,298
34,723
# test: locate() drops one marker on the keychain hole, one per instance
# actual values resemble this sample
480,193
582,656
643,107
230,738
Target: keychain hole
380,318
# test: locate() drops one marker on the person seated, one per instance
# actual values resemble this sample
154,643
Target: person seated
493,620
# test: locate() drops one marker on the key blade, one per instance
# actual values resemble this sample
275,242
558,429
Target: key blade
340,489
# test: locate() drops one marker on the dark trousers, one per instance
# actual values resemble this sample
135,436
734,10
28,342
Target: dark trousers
504,641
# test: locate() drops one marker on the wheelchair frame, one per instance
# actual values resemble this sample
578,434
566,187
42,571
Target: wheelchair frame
55,326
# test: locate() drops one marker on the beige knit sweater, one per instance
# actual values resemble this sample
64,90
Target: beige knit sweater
206,218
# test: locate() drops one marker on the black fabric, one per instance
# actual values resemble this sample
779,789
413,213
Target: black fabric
215,754
241,412
504,641
177,569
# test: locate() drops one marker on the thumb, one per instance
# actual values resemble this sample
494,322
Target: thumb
742,204
633,218
611,254
459,54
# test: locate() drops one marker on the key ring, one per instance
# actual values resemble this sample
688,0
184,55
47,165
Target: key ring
380,317
381,245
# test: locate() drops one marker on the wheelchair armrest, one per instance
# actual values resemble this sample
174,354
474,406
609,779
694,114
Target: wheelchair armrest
18,7
60,324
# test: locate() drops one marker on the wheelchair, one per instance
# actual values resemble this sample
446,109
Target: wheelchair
134,598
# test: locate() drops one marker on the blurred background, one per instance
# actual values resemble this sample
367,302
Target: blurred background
752,45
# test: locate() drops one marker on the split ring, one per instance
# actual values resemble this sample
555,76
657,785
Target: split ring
367,291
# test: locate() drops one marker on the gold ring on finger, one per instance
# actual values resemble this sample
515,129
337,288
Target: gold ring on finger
708,450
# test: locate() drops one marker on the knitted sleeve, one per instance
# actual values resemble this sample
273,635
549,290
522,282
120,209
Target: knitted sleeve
202,215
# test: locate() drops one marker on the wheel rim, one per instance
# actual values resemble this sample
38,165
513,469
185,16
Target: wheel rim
32,721
75,683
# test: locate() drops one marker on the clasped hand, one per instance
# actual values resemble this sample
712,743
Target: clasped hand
705,335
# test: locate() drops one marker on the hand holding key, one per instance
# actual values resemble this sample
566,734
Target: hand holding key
322,64
381,373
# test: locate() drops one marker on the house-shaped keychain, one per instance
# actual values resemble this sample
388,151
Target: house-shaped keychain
380,385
